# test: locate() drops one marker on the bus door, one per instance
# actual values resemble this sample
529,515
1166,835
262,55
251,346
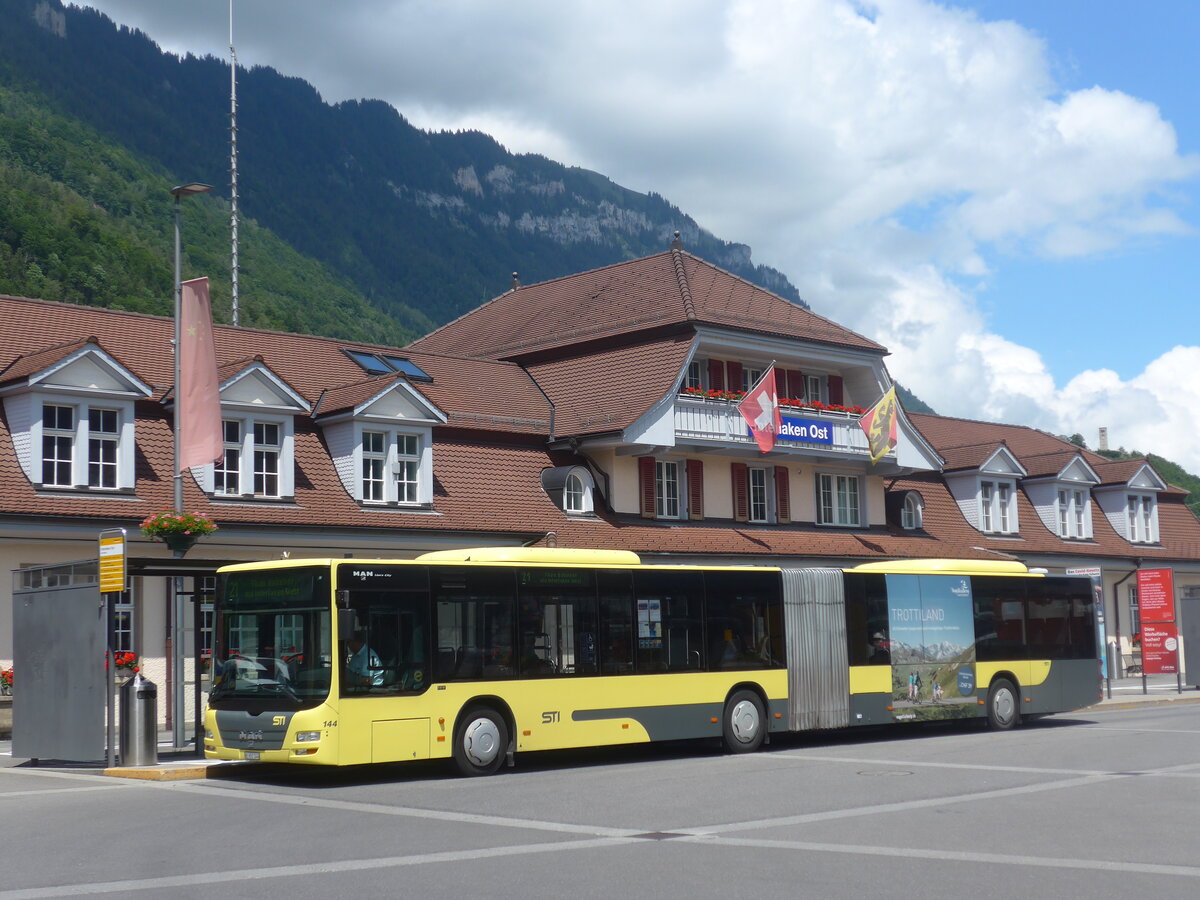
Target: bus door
817,660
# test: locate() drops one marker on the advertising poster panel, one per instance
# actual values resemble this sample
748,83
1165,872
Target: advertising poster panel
1160,648
932,637
1156,595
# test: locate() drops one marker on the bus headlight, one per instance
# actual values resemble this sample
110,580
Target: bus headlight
302,736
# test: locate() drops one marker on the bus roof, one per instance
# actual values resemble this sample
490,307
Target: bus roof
561,555
945,567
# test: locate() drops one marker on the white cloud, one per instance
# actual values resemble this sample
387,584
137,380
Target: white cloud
873,151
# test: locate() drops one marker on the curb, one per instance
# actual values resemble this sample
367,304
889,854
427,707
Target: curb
1136,704
159,773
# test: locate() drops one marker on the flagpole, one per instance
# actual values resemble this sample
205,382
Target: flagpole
183,190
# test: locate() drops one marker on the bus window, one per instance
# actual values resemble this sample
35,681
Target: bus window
741,613
474,636
391,614
1000,620
556,622
1060,616
615,594
867,635
669,624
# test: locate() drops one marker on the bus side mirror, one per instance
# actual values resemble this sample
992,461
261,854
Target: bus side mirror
345,624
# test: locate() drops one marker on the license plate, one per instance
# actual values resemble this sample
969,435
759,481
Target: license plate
253,754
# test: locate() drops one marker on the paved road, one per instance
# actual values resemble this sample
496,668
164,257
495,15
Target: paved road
1103,804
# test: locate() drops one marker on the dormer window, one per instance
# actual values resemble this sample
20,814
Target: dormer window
390,462
254,447
912,512
997,512
1141,518
1074,516
571,489
103,436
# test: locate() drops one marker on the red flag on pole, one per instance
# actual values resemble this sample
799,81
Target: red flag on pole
879,424
760,409
198,396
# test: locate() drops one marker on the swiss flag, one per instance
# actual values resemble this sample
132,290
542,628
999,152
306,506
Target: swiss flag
760,409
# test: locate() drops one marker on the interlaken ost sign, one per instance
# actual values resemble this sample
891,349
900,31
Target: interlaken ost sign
810,431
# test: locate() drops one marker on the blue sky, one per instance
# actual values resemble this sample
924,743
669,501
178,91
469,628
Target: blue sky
1148,50
1002,192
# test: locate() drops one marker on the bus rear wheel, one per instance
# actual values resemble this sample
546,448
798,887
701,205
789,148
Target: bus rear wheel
481,742
745,723
1003,709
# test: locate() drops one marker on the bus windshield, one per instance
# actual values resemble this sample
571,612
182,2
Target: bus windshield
273,639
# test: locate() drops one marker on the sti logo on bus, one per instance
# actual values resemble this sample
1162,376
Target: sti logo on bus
279,720
549,718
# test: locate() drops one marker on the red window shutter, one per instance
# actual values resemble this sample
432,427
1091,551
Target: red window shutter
835,389
735,375
783,495
716,374
794,388
741,492
695,490
646,485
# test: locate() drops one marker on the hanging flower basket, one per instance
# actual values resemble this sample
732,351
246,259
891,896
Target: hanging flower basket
179,531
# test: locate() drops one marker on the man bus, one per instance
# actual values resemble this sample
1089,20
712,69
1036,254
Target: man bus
480,654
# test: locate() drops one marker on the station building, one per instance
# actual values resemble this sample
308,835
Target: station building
596,410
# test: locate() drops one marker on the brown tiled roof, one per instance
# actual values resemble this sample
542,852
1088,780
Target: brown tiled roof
667,289
608,390
970,457
348,396
1118,471
1041,465
32,363
471,391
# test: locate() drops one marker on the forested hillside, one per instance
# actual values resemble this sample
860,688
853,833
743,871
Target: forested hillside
424,226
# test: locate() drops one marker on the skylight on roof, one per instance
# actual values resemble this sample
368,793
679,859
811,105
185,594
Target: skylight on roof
383,364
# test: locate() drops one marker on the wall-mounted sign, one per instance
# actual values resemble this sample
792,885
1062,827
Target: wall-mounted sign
1156,595
810,431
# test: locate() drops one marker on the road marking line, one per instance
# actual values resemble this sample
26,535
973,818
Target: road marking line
355,806
958,856
900,806
321,868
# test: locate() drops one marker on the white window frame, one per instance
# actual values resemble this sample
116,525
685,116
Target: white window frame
80,438
912,514
694,377
105,444
252,456
997,507
834,490
666,481
750,377
230,464
1079,500
373,466
813,389
1063,513
578,493
62,438
1141,518
758,494
408,469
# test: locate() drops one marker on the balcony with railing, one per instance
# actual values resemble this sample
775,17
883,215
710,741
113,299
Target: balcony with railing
832,430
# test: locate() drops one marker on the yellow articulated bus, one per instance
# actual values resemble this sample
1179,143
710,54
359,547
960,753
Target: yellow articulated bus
477,655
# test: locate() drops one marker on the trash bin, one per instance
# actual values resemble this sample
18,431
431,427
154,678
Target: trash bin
139,722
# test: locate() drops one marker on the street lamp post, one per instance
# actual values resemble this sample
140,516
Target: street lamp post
177,610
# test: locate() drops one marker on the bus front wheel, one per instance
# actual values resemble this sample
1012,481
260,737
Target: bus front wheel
745,723
481,743
1003,709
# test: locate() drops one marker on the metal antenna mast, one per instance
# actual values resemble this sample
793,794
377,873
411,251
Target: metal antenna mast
233,189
